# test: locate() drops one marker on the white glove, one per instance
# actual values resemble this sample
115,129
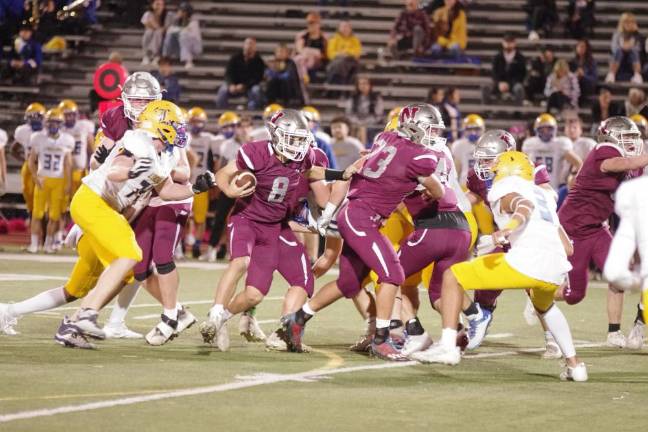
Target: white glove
609,78
636,79
484,245
325,218
73,237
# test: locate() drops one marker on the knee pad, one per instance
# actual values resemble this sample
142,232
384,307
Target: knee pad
165,268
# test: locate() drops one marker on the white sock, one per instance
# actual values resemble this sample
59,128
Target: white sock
48,242
34,241
382,323
178,307
548,336
216,309
40,302
124,300
306,308
227,314
171,313
448,337
59,236
559,328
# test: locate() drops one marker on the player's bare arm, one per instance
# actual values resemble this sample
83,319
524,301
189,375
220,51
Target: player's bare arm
225,182
120,168
473,198
521,209
434,189
624,164
573,160
33,167
182,172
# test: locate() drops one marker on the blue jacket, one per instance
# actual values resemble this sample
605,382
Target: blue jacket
328,151
30,51
171,85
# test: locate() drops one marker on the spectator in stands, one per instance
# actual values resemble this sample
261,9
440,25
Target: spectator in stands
183,39
584,66
310,47
343,51
541,67
580,18
451,114
25,58
625,65
156,20
282,79
346,148
243,75
562,88
168,80
627,26
635,103
508,72
604,107
364,108
450,30
411,31
542,15
436,95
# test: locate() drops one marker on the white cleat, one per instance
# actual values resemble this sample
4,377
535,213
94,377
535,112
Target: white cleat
552,350
478,328
7,321
120,331
214,331
209,256
616,339
416,343
438,354
530,315
249,328
163,332
276,341
635,338
185,320
31,249
577,373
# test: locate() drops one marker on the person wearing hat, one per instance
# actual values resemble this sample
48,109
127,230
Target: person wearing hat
183,38
509,71
25,57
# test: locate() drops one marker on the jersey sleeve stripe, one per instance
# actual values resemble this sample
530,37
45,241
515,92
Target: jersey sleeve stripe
434,158
247,160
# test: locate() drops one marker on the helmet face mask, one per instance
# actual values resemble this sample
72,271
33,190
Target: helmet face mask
422,124
70,118
35,121
483,166
489,146
290,135
139,89
631,143
546,133
622,132
53,127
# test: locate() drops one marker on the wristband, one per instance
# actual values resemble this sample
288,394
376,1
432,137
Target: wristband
332,174
512,224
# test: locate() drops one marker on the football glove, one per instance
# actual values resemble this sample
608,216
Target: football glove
204,182
140,166
101,154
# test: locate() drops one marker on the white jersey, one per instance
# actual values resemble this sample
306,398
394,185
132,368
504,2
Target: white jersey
451,178
462,152
120,195
228,150
80,151
51,153
3,139
22,136
88,125
201,145
260,134
536,249
550,154
156,201
582,147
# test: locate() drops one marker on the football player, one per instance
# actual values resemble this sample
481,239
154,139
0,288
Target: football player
261,133
473,127
536,261
258,215
50,163
588,206
390,173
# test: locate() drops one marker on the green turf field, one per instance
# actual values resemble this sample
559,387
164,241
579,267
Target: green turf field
127,385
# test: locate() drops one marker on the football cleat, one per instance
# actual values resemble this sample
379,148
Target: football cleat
118,330
439,354
277,340
462,339
416,343
209,256
616,339
387,351
86,322
294,333
249,328
214,331
70,336
363,344
478,328
185,320
31,249
577,373
552,350
635,338
7,321
163,332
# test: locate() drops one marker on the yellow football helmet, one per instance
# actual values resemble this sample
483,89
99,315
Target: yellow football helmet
197,114
311,113
270,110
35,109
394,113
68,106
543,120
392,119
513,163
163,120
228,118
54,115
473,121
640,121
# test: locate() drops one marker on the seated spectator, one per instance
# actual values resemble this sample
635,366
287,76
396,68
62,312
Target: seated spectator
625,65
282,79
25,58
635,103
346,148
627,26
580,18
168,80
155,20
435,97
562,88
604,107
364,108
450,30
451,114
411,31
584,66
310,47
542,15
243,75
343,51
508,72
541,67
183,39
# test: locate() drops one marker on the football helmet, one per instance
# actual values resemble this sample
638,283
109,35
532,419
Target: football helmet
392,119
422,123
226,122
311,113
70,111
641,123
545,127
490,145
289,134
138,90
623,133
473,127
513,163
270,110
163,120
196,118
34,114
53,120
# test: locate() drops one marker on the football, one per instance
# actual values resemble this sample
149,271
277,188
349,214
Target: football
242,178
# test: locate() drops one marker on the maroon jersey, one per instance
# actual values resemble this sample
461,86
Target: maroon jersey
114,123
421,207
481,187
319,159
277,182
390,173
589,202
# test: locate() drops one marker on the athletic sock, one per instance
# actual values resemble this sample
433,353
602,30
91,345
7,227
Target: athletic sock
614,328
639,318
34,241
171,313
414,327
448,337
559,328
473,312
40,302
124,300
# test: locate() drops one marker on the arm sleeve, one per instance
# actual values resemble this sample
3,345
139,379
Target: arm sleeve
422,165
541,175
249,158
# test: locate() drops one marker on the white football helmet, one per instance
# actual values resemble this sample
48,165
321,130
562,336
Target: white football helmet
423,124
622,132
139,89
289,134
490,145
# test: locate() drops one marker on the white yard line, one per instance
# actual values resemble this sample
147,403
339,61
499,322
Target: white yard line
241,383
499,335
